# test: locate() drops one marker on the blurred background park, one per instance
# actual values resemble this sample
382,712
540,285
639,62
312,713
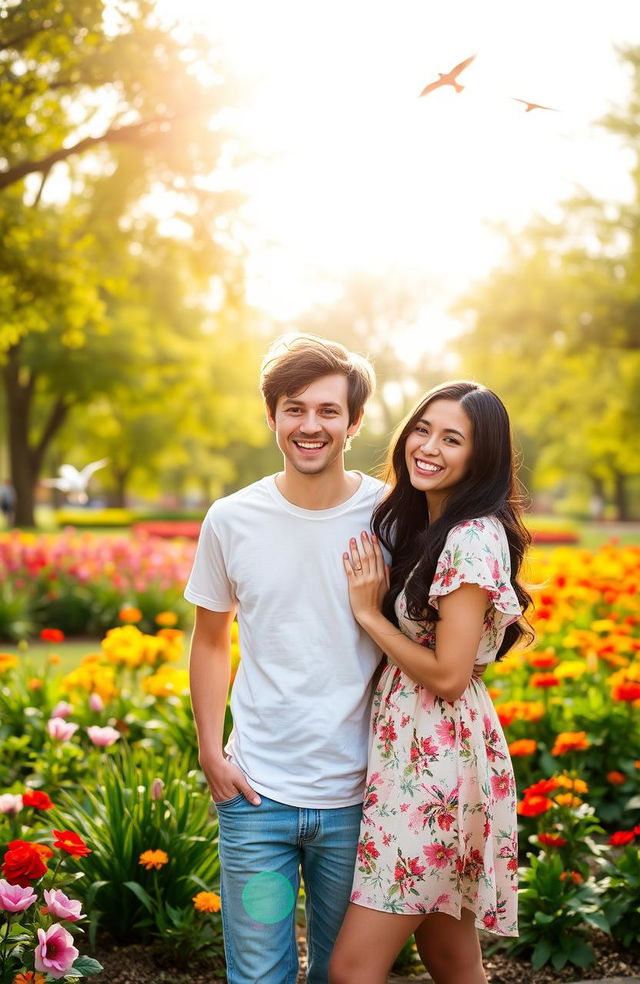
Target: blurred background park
182,182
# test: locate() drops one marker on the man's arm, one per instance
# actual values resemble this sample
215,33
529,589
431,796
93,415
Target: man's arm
209,674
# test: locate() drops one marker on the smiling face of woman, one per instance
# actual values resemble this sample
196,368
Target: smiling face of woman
438,451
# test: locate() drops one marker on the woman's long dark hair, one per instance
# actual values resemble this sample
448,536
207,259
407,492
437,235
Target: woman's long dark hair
489,488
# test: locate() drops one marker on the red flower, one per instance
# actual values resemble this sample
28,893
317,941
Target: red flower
622,837
25,862
627,691
37,799
532,806
616,778
544,680
72,843
552,840
52,635
541,788
574,876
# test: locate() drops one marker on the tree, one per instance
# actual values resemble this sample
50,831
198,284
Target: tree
112,105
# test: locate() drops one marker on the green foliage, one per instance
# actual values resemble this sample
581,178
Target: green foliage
121,818
554,915
621,894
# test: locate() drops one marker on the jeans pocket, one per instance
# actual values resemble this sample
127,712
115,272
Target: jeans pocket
223,803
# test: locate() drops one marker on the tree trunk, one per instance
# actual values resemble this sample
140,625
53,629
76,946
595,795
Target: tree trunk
119,495
620,496
25,459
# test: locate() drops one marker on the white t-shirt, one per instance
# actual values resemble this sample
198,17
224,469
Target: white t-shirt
300,700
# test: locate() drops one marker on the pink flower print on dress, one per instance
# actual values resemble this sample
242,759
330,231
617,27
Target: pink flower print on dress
438,855
494,568
502,784
367,853
471,865
446,732
492,741
387,734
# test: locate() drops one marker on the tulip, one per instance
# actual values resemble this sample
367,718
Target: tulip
103,737
61,730
10,804
96,703
55,953
62,710
62,907
15,898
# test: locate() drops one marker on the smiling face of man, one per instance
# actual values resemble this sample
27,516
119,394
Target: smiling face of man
312,426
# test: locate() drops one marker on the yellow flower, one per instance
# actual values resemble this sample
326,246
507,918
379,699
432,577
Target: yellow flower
570,782
207,902
570,669
153,859
166,682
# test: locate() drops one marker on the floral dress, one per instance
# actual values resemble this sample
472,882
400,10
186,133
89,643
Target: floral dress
439,828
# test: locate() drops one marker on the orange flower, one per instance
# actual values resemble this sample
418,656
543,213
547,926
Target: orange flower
574,876
7,662
166,619
567,799
35,683
543,661
573,783
54,659
29,977
523,746
533,806
153,859
616,778
570,741
207,902
129,614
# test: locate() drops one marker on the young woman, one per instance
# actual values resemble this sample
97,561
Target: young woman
437,855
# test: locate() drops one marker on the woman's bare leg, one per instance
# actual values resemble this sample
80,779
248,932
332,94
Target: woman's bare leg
450,949
367,945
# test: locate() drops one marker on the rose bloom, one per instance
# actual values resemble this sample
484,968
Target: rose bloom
52,635
570,741
533,806
621,838
55,952
25,862
103,737
61,730
62,709
522,746
129,614
61,907
37,799
616,778
15,898
552,840
72,843
10,804
544,680
207,902
153,859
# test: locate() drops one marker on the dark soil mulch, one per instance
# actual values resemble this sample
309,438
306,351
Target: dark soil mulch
139,964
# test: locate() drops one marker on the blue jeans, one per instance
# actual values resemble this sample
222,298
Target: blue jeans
262,851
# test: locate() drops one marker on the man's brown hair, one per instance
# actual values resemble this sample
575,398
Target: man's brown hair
294,361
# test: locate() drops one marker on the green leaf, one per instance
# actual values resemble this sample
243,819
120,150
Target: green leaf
140,893
541,954
85,967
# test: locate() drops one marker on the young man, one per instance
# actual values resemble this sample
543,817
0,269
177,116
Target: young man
288,786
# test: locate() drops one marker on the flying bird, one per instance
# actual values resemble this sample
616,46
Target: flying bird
531,105
448,78
74,483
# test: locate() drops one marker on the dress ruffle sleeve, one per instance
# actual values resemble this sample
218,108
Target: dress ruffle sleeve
477,552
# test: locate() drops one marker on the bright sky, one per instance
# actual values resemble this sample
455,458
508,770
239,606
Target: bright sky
363,174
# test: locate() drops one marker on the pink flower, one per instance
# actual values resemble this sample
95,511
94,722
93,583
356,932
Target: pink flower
10,804
438,855
501,785
96,703
446,732
62,907
61,730
55,952
15,898
103,737
157,789
62,709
